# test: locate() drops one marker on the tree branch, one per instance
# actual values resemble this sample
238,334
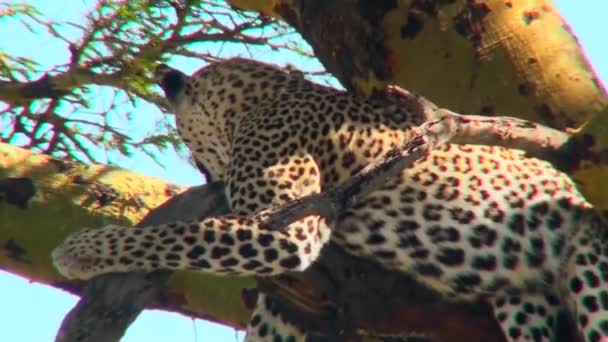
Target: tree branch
55,86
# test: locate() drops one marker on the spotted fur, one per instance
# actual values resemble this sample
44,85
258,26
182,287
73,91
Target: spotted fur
469,221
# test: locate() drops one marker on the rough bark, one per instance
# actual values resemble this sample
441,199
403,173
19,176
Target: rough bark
482,56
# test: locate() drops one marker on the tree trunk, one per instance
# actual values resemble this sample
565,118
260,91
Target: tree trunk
487,57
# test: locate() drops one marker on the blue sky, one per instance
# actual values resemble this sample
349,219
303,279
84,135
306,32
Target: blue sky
33,312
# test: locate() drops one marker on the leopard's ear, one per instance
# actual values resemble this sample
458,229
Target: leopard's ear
171,81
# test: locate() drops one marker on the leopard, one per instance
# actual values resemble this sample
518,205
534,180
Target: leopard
472,222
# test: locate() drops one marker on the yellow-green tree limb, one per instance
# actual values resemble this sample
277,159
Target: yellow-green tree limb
479,57
70,196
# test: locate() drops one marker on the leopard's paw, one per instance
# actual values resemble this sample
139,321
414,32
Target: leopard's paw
88,252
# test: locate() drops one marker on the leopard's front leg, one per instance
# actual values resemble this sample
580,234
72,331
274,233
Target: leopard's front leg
223,245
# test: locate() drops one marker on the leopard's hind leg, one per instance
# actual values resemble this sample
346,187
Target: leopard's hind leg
585,279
